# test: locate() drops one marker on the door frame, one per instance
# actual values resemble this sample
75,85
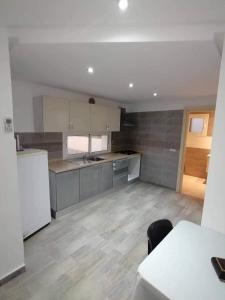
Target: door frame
187,111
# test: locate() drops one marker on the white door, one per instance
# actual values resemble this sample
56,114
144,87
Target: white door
55,114
79,116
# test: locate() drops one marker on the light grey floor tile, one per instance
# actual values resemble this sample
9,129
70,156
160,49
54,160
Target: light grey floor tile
93,252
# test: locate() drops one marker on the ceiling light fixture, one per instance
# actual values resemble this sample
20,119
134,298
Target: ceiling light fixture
90,70
131,85
123,4
155,94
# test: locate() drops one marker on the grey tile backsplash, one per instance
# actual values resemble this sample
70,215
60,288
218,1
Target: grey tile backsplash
52,142
157,135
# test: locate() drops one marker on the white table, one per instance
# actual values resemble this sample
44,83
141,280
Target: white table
180,267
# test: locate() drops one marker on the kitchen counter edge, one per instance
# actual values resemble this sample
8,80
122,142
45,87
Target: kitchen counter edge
60,166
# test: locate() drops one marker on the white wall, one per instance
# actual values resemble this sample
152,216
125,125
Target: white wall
23,93
214,205
11,243
158,104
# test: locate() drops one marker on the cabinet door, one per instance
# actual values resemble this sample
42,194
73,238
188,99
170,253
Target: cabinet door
114,119
89,182
99,117
79,116
55,114
105,118
67,189
106,177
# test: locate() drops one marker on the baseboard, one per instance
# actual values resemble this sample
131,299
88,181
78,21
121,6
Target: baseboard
12,275
30,236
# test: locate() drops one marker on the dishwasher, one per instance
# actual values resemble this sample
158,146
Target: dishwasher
120,172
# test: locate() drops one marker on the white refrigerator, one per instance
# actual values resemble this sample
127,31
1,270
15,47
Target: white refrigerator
33,181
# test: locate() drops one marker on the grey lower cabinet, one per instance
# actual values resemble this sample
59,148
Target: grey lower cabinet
106,177
64,190
68,188
95,180
89,182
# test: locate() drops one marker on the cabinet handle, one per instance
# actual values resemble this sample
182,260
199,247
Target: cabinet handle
107,127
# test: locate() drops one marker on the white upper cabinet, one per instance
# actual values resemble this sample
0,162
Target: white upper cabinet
51,114
104,118
114,119
55,114
99,117
60,115
79,116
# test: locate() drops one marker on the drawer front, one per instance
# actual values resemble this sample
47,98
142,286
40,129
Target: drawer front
120,164
120,179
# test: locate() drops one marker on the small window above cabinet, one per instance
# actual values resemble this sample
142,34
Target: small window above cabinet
198,124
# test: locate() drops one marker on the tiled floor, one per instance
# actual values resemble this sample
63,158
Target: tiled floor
194,186
93,252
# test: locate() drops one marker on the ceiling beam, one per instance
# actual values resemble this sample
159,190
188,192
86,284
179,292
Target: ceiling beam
116,35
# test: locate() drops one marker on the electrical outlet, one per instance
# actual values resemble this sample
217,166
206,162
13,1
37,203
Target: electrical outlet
8,125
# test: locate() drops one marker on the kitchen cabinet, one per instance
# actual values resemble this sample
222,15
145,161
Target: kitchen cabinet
89,182
106,177
120,172
51,114
64,189
59,115
114,119
79,116
95,180
105,118
68,188
99,118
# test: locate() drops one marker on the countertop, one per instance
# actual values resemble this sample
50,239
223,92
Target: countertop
60,166
30,152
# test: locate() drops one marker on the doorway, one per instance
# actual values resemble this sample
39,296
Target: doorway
195,153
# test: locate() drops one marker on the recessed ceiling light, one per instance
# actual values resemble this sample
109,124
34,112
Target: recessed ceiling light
90,70
131,85
123,4
155,94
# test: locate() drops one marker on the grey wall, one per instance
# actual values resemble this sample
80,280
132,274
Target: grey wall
157,135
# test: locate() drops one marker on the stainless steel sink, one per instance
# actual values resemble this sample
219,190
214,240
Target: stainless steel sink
95,158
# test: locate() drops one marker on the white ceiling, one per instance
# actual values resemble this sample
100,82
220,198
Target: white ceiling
42,13
173,69
180,64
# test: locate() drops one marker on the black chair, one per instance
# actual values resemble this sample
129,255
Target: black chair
157,232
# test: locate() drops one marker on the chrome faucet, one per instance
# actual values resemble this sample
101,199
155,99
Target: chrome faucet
84,158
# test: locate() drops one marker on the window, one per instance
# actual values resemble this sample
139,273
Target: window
77,144
99,143
198,124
